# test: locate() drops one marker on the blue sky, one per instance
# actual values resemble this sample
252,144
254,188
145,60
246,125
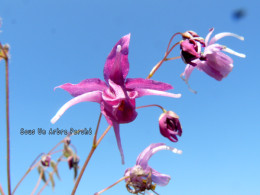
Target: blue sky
55,42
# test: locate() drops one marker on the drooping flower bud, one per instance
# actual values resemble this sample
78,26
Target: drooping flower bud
73,161
45,161
170,126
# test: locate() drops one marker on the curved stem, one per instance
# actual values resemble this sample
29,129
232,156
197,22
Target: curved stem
87,160
158,65
56,146
100,192
151,106
38,182
178,33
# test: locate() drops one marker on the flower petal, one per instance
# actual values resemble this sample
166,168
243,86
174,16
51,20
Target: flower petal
144,156
187,72
160,179
147,84
218,65
241,55
143,92
118,139
208,36
94,96
224,34
84,86
117,66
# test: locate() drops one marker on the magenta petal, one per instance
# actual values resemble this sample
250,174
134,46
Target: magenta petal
94,96
84,86
117,65
143,92
147,84
118,139
160,179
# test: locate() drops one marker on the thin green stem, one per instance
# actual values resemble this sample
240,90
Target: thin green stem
100,192
87,160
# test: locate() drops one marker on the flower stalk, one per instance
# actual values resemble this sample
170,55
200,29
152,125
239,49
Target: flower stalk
122,179
5,57
89,156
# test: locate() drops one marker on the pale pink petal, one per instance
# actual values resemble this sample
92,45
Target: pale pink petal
218,65
228,50
147,84
94,96
143,92
208,36
145,155
84,86
118,139
159,178
224,34
187,72
117,66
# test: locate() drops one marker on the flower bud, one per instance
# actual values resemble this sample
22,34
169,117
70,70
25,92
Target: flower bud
170,125
73,161
45,161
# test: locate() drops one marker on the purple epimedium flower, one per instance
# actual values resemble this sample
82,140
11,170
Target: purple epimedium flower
117,94
212,61
142,177
170,126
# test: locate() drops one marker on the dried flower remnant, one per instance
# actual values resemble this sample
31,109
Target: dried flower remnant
142,177
4,52
211,61
117,95
170,126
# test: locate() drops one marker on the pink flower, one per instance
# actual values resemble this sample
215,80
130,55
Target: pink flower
142,177
117,94
170,125
212,61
